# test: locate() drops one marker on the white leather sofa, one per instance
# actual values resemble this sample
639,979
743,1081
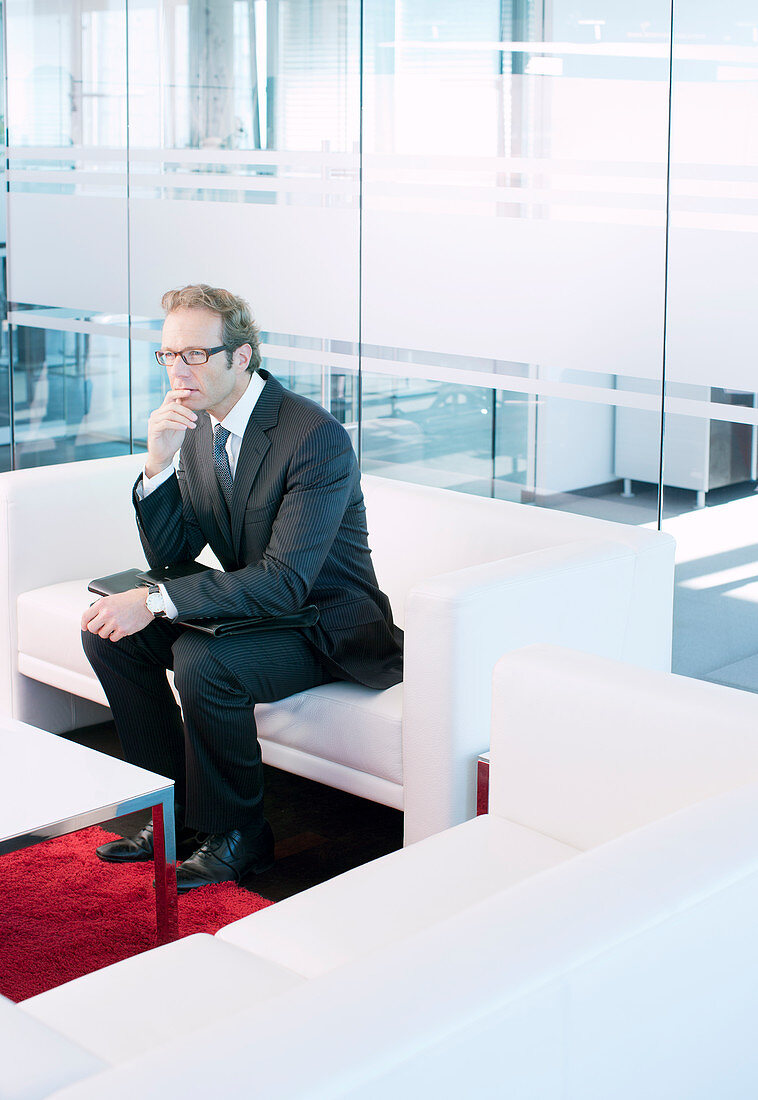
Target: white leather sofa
592,937
469,578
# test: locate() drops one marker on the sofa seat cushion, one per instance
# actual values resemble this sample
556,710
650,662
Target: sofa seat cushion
349,724
155,998
49,632
384,901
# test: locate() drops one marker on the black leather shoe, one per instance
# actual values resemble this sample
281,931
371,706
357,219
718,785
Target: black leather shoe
139,848
227,857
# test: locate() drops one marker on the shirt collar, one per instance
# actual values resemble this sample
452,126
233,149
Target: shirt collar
236,419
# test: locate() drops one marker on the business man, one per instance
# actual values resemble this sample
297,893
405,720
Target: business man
270,481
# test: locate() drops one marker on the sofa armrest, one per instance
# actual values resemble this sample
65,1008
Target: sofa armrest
584,594
60,523
35,1059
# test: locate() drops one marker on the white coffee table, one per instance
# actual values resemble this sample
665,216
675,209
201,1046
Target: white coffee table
50,786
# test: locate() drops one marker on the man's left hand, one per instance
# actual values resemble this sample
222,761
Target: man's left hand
115,617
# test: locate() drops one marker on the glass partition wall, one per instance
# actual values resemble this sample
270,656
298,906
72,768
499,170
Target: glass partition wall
711,445
488,236
67,211
514,194
6,427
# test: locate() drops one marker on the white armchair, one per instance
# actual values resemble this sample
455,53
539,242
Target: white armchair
469,578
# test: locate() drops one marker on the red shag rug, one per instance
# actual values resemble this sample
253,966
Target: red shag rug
65,913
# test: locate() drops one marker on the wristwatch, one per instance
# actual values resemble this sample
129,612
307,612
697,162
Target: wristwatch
154,602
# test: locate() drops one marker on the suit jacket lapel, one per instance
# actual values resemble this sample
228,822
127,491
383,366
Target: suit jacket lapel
255,443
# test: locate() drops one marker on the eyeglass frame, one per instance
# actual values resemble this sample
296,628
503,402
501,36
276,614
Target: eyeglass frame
180,355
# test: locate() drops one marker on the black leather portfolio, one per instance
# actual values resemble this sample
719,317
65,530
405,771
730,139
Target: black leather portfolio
115,582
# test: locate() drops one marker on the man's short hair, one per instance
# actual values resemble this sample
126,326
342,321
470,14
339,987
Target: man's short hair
237,324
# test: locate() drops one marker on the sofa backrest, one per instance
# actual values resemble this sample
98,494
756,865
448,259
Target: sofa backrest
418,531
585,748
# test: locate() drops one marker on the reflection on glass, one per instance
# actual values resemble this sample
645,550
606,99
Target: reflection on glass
66,73
70,396
431,432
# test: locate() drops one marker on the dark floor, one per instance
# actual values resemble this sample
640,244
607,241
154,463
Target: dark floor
320,832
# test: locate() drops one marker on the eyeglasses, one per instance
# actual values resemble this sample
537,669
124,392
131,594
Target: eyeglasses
193,357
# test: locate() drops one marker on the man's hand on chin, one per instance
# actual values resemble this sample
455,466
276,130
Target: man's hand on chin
115,617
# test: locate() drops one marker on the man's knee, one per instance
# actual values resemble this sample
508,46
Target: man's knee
95,648
103,653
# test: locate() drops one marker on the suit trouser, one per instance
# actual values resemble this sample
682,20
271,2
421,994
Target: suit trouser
209,747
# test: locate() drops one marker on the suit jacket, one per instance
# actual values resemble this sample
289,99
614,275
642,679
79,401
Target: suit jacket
296,534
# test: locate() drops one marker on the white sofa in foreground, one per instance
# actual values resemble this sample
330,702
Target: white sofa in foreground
592,937
469,578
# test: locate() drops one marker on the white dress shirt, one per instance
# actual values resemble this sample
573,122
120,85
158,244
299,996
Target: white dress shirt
235,423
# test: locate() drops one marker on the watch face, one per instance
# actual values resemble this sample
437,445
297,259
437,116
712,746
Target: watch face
154,602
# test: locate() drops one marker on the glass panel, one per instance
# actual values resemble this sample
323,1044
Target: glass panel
514,239
436,433
244,130
6,454
67,216
711,442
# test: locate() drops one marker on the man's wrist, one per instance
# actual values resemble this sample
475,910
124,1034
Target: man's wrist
148,484
153,469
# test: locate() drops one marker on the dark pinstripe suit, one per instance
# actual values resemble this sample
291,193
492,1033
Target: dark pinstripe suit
296,535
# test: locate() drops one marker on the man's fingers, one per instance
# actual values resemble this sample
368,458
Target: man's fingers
174,409
174,423
98,619
89,614
116,617
171,416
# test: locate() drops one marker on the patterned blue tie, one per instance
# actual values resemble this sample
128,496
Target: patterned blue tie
221,462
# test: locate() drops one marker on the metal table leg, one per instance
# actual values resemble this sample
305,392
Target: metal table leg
164,843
